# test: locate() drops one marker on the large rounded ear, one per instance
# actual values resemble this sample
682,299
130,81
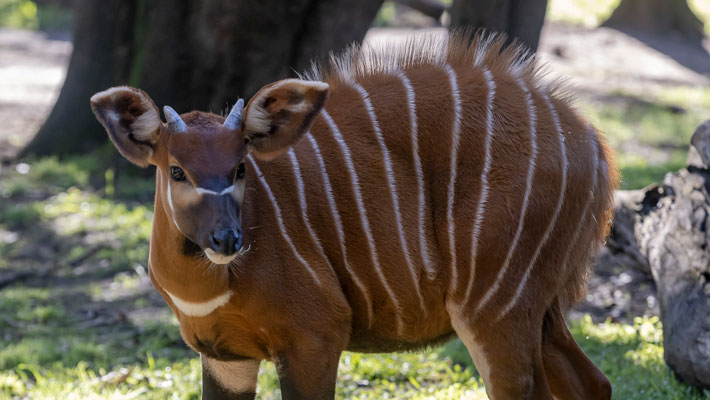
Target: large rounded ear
131,120
280,113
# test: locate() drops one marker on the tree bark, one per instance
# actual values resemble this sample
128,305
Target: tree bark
191,55
430,8
521,19
657,16
100,59
663,230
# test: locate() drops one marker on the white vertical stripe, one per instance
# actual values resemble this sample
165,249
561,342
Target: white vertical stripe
483,196
339,227
363,215
558,207
528,186
169,195
456,130
304,206
389,175
279,221
414,135
575,236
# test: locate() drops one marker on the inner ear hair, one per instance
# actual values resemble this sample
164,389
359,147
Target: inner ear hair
131,120
280,113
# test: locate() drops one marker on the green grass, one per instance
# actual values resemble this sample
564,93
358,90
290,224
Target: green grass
650,134
632,357
72,365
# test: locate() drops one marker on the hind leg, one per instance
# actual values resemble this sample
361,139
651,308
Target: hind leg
508,356
571,374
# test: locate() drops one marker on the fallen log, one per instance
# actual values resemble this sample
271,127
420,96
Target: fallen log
664,230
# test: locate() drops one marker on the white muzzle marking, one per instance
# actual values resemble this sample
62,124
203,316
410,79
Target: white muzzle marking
218,258
227,190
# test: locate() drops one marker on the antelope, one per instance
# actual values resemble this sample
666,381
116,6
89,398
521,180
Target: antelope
387,200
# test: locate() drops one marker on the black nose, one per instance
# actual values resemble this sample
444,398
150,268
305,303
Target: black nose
226,241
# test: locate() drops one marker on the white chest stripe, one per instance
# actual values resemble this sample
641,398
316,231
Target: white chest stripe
523,211
339,227
483,196
363,214
200,309
280,222
227,190
393,189
456,130
553,221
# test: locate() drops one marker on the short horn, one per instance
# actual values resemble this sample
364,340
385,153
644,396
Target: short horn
234,119
175,123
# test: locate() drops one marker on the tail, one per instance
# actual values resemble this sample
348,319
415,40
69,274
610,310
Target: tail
596,224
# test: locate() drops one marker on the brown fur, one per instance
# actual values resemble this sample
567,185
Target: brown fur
278,312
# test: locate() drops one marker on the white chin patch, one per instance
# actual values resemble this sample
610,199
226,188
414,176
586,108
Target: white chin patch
218,258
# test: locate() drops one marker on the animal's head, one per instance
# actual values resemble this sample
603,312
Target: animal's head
200,156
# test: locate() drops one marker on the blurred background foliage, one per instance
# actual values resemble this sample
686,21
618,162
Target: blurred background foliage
35,15
79,319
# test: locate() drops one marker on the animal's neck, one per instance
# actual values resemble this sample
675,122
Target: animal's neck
189,277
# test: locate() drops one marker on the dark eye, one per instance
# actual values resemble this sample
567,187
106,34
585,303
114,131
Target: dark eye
241,170
177,174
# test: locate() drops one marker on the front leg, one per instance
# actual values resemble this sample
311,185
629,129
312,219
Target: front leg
307,372
229,380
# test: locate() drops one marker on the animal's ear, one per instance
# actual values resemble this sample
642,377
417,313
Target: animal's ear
131,120
279,114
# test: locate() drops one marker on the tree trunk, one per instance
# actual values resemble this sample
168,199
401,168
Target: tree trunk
657,16
191,55
663,229
521,19
430,8
100,59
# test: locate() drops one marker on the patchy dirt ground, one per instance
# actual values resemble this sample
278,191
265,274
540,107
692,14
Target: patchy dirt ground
32,69
600,63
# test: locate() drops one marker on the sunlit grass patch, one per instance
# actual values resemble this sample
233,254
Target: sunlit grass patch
650,135
628,118
632,357
80,223
47,174
156,380
76,211
637,172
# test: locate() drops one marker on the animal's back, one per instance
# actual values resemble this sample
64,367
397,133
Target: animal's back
447,178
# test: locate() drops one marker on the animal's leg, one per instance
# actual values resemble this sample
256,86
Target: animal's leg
229,380
508,356
308,372
571,374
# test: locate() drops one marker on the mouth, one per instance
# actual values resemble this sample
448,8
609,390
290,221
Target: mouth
219,258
